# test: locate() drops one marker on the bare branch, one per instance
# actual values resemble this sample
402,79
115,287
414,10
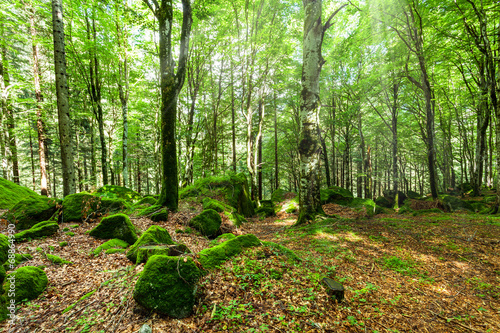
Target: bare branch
328,23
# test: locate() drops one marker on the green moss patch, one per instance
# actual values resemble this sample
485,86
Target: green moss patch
336,194
12,193
154,235
57,260
111,244
111,251
222,238
451,203
235,218
45,228
147,251
160,216
291,206
30,282
4,248
63,244
117,192
214,256
115,226
148,200
232,187
216,205
77,207
207,222
167,285
31,210
278,196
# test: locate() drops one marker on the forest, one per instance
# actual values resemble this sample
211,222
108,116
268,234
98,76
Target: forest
249,165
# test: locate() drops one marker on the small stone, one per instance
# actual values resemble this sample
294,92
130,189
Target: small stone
334,289
145,329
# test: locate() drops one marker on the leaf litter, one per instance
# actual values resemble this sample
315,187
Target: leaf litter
402,273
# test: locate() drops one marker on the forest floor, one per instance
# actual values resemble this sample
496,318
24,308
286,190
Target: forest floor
402,273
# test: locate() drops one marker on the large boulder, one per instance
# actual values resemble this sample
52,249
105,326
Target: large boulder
266,209
77,207
383,202
167,285
451,204
12,193
115,226
413,195
214,256
27,282
209,203
336,194
31,210
42,229
118,192
390,195
232,187
207,222
147,200
154,235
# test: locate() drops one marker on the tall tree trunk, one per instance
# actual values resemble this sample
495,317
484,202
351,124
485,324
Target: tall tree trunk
9,112
69,186
170,85
39,100
32,158
309,146
276,164
233,125
123,90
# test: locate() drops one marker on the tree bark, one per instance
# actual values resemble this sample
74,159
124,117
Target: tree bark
309,146
39,100
69,186
170,85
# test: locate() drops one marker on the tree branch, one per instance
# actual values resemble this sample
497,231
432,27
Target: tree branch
328,23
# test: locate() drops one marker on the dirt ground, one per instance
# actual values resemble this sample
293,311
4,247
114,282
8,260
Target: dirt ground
401,273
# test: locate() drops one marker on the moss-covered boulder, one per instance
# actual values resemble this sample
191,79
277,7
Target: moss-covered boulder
147,200
214,256
154,235
18,258
235,218
207,222
390,195
465,187
31,210
232,187
12,193
413,195
28,282
222,238
480,207
111,244
336,194
77,207
383,202
451,204
115,226
278,196
45,228
162,215
266,209
4,248
368,204
118,192
209,203
58,260
147,251
167,285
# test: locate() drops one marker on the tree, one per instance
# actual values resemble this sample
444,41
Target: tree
171,83
309,146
